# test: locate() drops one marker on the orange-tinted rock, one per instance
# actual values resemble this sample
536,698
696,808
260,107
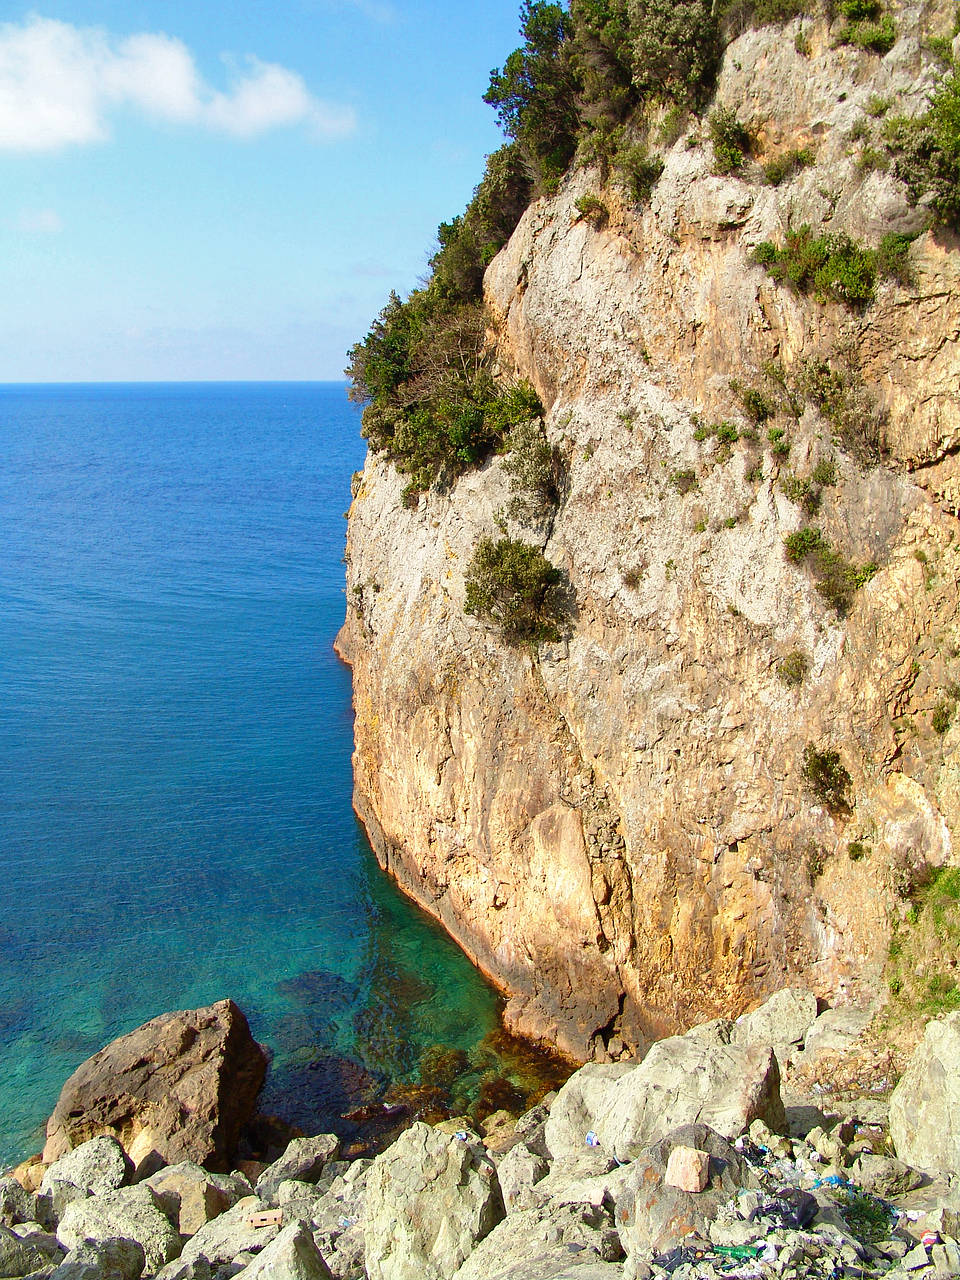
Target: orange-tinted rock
181,1087
687,1169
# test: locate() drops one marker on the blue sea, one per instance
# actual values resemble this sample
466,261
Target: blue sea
175,739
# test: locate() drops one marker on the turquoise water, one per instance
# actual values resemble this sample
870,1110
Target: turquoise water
175,737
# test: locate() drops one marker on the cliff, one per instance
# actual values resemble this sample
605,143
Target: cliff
623,828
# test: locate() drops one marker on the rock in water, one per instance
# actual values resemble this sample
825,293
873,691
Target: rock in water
925,1106
181,1087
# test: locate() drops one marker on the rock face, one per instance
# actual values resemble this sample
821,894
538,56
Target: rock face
180,1087
925,1106
618,827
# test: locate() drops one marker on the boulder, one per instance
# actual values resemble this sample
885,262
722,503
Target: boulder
782,1021
519,1169
102,1260
17,1258
653,1216
430,1199
16,1204
925,1105
575,1108
542,1242
190,1195
95,1167
293,1255
697,1078
884,1176
30,1173
221,1239
302,1161
130,1213
181,1087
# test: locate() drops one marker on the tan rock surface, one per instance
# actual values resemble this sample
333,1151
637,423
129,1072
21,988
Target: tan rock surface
180,1087
617,829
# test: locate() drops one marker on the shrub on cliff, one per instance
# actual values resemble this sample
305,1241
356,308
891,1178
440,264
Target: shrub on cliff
927,152
826,776
513,586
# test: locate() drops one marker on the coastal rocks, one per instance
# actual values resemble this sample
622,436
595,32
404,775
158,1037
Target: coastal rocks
431,1198
653,1216
131,1213
697,1078
180,1087
293,1255
302,1161
925,1105
16,1257
16,1204
190,1196
782,1021
103,1260
233,1232
536,1243
94,1167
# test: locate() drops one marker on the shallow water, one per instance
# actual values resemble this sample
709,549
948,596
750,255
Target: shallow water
175,737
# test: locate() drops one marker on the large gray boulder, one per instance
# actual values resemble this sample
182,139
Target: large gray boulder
925,1105
103,1260
697,1078
293,1255
576,1107
544,1242
220,1240
653,1217
190,1196
16,1204
430,1199
17,1258
129,1213
95,1167
303,1161
782,1021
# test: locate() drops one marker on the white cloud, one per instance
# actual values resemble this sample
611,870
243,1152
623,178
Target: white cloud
59,84
39,222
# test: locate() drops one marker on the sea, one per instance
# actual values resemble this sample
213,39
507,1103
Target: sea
175,743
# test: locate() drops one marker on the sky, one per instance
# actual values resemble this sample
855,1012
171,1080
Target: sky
226,189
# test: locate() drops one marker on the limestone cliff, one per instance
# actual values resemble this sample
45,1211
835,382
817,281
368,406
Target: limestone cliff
617,827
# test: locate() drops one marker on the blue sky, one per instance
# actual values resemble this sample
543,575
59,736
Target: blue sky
228,190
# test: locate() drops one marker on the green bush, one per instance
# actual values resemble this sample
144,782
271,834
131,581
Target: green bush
836,578
835,386
832,265
876,37
826,776
592,210
675,49
942,715
793,668
731,140
780,168
824,473
683,480
512,585
803,492
536,473
638,171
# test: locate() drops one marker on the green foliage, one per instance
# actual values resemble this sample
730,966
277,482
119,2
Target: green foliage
757,404
824,473
638,170
675,49
927,152
876,37
826,776
535,94
536,473
943,714
592,210
836,387
867,1218
871,160
780,168
857,850
731,140
803,492
836,578
793,668
830,266
512,585
877,106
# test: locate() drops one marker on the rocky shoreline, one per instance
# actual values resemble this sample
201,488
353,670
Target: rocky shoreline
699,1160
